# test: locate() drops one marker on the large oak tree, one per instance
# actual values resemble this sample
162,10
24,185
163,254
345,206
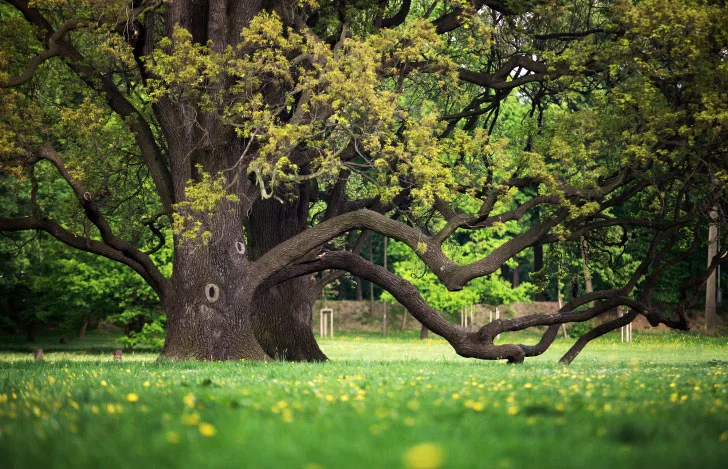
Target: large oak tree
271,138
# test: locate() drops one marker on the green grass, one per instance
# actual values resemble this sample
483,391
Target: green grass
660,402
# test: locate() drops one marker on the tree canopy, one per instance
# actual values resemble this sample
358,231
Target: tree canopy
264,142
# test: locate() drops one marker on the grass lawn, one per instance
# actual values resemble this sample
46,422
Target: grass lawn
659,402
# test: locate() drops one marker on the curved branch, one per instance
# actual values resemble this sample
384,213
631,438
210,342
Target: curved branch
96,217
596,332
104,85
452,275
452,20
466,344
398,17
52,51
500,79
82,244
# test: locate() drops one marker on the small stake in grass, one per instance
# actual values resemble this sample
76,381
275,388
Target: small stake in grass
327,315
117,355
464,316
626,331
38,354
497,317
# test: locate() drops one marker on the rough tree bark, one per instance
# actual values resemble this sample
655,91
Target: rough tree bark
282,313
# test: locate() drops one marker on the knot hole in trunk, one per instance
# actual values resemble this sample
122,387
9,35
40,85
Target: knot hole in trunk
212,292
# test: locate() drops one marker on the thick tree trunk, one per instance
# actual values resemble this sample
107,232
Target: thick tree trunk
209,314
282,321
210,306
201,329
282,318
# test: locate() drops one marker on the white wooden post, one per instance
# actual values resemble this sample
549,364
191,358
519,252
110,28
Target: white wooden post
497,317
327,315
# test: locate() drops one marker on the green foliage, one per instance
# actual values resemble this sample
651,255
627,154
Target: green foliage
471,246
150,337
204,200
42,282
398,136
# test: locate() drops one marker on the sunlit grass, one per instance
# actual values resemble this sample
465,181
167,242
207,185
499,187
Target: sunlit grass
661,401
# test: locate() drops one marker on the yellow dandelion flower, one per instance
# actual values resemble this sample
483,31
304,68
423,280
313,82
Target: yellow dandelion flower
104,383
172,437
424,456
455,396
287,415
560,407
207,429
189,400
191,419
512,410
132,397
110,408
723,436
146,384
